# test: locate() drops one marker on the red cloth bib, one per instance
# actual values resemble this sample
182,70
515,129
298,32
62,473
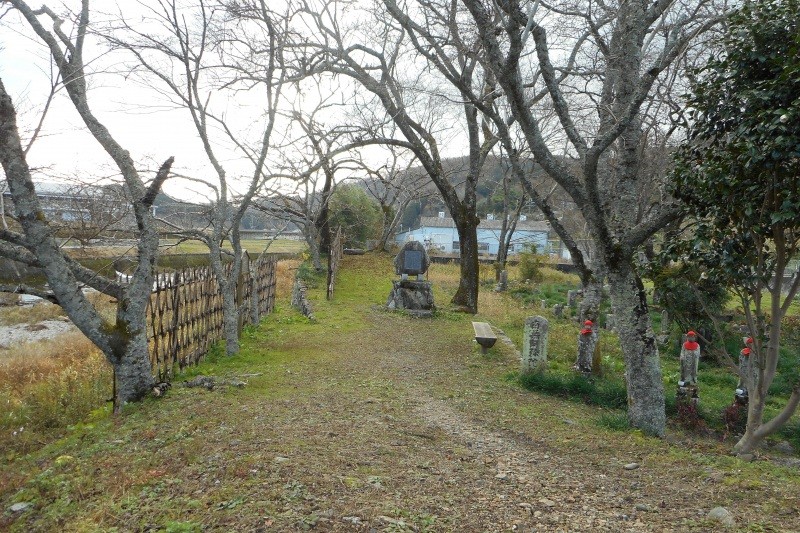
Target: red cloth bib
691,345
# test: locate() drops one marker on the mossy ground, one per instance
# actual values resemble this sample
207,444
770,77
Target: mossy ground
364,419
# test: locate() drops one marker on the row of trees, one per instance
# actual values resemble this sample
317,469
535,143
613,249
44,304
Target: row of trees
585,94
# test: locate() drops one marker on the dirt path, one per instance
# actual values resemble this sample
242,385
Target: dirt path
379,422
514,474
515,480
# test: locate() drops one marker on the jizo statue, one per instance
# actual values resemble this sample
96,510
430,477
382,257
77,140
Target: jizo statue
690,358
587,343
744,370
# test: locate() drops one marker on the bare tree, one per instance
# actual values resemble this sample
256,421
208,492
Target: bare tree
198,53
600,106
394,185
422,108
124,342
511,211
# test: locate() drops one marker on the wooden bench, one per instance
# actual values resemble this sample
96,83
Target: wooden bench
484,335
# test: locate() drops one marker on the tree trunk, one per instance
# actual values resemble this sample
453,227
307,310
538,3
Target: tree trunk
131,360
592,294
642,365
502,252
466,296
312,240
230,317
227,287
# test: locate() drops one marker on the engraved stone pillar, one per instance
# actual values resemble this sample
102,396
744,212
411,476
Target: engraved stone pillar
665,322
534,344
502,285
572,298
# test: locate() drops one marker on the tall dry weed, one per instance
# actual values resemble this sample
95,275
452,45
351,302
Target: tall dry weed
46,386
29,314
285,276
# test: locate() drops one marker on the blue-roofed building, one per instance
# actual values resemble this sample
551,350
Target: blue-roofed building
439,233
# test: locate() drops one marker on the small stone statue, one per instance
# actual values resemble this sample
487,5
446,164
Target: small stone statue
741,394
587,343
690,358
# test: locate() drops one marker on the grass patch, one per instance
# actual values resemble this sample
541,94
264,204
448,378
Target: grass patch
605,393
615,421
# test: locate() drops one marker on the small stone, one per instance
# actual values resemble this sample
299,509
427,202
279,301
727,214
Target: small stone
721,515
784,447
547,502
643,507
537,514
280,459
747,457
20,507
352,519
569,422
502,476
631,466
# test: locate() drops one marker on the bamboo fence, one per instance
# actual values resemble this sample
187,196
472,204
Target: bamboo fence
185,311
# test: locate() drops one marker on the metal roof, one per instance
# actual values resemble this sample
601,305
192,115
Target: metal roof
527,225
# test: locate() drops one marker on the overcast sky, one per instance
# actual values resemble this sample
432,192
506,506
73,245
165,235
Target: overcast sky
65,149
135,114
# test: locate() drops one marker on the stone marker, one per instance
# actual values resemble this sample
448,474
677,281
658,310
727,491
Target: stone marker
665,325
572,298
587,343
543,304
414,296
610,321
534,344
502,285
412,260
558,310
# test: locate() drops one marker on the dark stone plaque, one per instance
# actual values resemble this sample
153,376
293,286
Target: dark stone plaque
412,262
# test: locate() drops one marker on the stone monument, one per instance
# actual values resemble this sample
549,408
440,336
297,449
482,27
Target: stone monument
414,296
534,344
502,284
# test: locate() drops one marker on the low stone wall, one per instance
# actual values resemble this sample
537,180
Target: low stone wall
300,299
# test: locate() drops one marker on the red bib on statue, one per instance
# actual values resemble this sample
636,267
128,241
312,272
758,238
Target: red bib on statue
691,345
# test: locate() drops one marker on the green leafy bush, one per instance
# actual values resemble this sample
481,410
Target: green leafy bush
530,264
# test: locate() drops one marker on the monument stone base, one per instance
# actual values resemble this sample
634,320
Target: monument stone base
415,297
